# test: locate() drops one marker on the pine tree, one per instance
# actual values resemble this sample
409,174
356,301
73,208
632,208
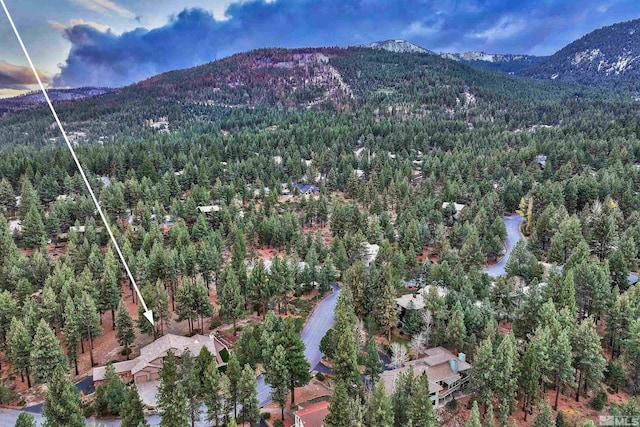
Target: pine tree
172,401
203,359
277,376
233,373
212,392
379,411
560,363
631,354
505,376
190,384
46,354
49,307
420,405
109,293
71,333
482,380
248,397
340,407
132,410
112,395
124,327
588,358
62,403
33,232
297,364
19,348
474,417
456,332
534,364
544,418
488,420
88,321
7,197
231,306
25,419
372,362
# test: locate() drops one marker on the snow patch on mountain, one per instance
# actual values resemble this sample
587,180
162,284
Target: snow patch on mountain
397,46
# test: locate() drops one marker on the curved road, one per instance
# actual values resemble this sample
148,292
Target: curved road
512,223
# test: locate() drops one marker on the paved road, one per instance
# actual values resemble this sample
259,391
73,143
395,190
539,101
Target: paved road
512,224
317,325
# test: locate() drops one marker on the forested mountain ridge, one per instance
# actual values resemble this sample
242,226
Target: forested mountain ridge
504,63
609,53
355,80
35,99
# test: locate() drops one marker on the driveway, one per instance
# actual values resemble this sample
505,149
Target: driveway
512,223
317,325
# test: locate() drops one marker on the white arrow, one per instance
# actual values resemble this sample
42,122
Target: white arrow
147,313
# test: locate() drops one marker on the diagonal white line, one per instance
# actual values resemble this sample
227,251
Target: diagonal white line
147,313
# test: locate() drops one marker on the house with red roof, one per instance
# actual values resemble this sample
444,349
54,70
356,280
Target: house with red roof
312,415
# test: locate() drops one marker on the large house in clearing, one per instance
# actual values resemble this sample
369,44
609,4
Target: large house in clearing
446,372
146,367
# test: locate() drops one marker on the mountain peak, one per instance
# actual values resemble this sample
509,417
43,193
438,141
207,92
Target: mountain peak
398,46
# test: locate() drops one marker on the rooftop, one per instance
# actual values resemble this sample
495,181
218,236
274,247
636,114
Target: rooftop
314,414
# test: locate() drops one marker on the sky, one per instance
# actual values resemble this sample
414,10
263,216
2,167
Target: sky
113,43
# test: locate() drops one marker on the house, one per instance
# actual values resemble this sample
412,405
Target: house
146,367
312,415
370,253
208,209
542,160
447,373
306,189
414,301
458,207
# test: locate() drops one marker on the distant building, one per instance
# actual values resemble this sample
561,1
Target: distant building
542,160
414,301
370,253
446,372
312,415
146,367
306,189
208,209
457,206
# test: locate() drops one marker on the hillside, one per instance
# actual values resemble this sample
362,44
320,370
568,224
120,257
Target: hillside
607,54
397,46
503,63
331,79
35,99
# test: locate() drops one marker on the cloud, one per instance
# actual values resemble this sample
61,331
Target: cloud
99,56
106,7
17,77
73,22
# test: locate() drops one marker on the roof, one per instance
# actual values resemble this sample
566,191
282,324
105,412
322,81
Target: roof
159,348
313,415
458,206
209,209
306,188
435,364
418,298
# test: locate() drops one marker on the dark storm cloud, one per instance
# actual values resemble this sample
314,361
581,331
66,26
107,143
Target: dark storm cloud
194,36
18,77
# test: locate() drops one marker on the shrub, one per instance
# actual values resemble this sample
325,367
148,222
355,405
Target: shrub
278,423
320,376
265,415
599,400
452,404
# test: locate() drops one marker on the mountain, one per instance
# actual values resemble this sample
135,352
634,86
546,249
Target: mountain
35,99
397,46
607,54
504,63
252,87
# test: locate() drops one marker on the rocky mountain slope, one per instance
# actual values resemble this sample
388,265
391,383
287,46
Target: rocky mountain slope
397,46
607,54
